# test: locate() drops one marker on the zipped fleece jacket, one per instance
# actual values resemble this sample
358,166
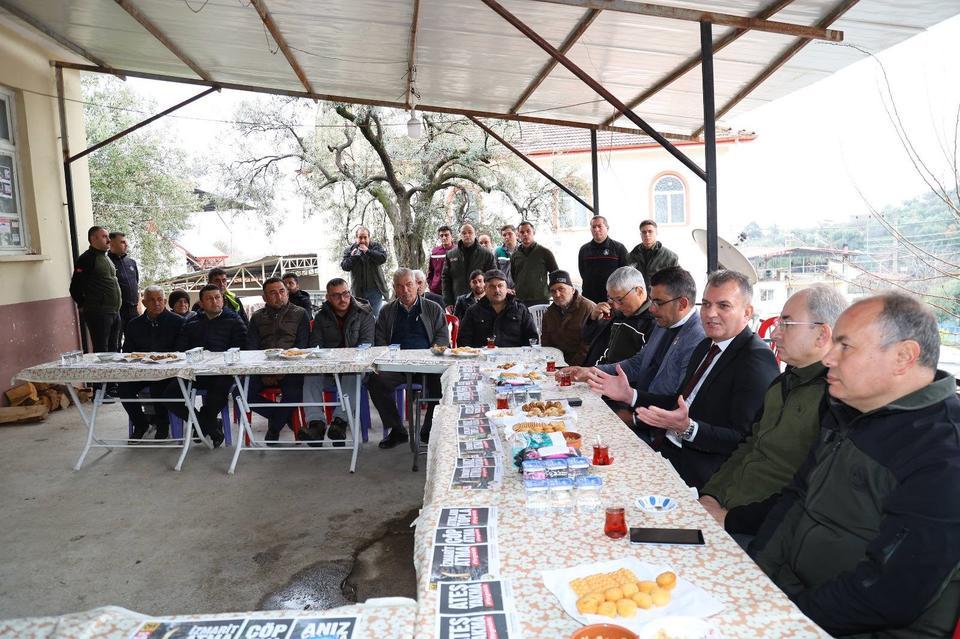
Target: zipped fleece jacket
285,327
435,269
513,326
649,261
866,541
94,285
457,266
561,328
779,442
596,263
529,267
357,327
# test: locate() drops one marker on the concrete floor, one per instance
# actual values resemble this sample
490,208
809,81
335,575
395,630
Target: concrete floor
284,532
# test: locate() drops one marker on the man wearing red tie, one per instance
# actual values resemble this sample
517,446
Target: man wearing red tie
717,402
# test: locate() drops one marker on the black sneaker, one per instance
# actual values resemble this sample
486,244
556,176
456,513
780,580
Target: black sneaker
139,430
163,432
338,431
397,436
313,434
425,435
216,435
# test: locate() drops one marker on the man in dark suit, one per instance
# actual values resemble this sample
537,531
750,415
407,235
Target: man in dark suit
719,399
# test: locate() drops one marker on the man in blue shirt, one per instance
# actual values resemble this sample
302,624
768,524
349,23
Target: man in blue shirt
412,322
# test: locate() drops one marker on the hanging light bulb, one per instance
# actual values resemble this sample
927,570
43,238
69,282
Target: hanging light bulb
414,126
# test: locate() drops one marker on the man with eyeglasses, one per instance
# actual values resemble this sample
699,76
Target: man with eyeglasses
343,321
703,421
619,328
790,421
662,364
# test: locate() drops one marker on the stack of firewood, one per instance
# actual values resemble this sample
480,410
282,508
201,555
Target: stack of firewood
32,401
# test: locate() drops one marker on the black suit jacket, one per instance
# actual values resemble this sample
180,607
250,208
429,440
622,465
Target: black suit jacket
728,403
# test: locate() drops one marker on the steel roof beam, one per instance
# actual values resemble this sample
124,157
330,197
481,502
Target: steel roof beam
537,39
271,26
16,11
146,23
779,61
568,43
536,167
412,52
693,62
352,100
693,15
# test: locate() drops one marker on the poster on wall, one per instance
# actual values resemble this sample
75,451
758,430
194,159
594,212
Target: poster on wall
6,182
9,232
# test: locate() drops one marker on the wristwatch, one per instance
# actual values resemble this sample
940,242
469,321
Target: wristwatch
687,435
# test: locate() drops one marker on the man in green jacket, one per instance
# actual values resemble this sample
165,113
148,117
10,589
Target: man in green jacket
529,267
95,289
650,256
790,418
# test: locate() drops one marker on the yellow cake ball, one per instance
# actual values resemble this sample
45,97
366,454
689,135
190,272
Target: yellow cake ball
643,600
660,597
587,605
647,586
627,608
629,589
667,580
607,609
613,594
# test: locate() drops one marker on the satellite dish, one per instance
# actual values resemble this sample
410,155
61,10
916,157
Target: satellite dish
728,257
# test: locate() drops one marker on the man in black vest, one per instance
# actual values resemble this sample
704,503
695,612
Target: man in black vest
128,277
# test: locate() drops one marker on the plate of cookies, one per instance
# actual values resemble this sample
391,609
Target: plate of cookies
627,592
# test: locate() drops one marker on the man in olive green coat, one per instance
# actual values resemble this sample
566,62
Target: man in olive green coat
650,255
530,265
790,419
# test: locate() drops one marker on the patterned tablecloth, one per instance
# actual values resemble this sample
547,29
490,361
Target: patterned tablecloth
529,542
90,369
389,618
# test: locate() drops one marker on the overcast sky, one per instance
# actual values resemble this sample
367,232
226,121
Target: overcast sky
814,148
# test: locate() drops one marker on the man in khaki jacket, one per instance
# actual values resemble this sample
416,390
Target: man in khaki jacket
564,319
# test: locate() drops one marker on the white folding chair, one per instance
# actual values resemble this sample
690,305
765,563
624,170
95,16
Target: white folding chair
537,310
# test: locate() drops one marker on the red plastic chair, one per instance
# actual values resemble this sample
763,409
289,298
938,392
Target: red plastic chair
766,327
272,394
453,325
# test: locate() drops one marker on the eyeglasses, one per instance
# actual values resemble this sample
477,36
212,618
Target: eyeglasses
783,323
339,296
619,300
656,302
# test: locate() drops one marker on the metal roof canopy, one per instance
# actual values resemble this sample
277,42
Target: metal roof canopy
436,55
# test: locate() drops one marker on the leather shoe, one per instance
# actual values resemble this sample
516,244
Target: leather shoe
396,436
337,431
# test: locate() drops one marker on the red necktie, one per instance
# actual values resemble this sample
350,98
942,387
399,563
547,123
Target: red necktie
660,434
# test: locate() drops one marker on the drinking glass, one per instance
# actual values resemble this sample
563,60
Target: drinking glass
615,523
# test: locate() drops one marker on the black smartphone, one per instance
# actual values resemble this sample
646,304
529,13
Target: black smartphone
683,536
574,401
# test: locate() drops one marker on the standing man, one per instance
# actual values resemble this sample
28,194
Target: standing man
364,261
650,256
598,259
215,329
218,277
485,241
466,258
498,315
702,423
508,232
297,295
128,276
437,258
412,322
343,321
789,426
866,540
465,301
279,324
563,321
95,289
155,331
529,266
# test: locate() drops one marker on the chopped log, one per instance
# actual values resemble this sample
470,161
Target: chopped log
85,395
20,394
64,401
22,414
42,386
51,398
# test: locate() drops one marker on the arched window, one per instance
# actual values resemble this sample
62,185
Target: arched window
669,200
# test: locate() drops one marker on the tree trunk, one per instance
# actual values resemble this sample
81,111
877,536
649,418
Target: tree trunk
406,241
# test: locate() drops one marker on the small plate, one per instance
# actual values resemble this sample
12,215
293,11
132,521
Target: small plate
656,504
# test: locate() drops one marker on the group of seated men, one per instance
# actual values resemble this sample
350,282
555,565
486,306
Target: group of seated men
840,475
